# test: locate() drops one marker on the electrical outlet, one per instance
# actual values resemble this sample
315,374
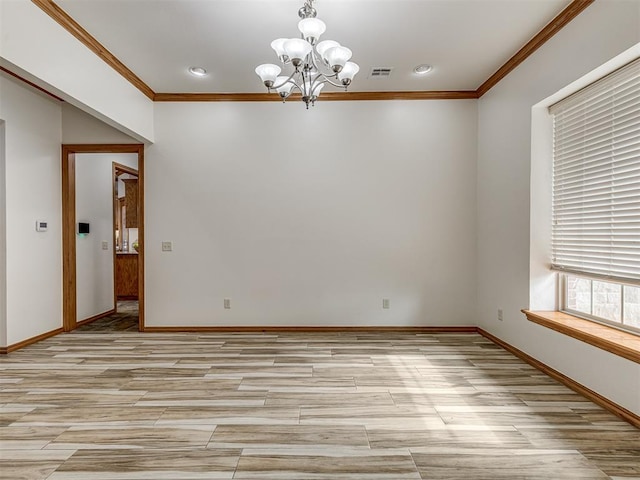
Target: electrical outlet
385,303
500,314
105,245
167,246
227,303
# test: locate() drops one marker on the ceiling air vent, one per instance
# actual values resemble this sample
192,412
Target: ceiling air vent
380,72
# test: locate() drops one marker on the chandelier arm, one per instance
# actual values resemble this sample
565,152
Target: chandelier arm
317,61
288,80
328,80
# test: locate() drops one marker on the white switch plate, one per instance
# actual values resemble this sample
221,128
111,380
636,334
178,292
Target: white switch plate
105,245
167,246
227,303
500,317
385,303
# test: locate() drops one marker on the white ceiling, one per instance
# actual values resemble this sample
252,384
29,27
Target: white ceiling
465,40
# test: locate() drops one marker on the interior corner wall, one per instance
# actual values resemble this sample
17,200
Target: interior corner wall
33,192
311,218
39,49
3,237
598,34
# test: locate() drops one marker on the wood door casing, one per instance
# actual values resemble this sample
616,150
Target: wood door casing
69,280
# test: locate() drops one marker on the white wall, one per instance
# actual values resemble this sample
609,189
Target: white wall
80,127
94,204
504,151
30,170
376,200
38,48
33,192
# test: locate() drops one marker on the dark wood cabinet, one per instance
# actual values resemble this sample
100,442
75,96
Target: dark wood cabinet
127,276
131,202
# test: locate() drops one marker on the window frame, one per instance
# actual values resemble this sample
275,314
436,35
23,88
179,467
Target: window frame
564,296
582,254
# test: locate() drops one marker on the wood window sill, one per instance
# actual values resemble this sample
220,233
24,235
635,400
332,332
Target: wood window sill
615,341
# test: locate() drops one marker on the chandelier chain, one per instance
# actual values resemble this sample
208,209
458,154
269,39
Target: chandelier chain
307,10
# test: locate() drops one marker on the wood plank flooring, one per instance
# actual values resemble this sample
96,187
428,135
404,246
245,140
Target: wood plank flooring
349,406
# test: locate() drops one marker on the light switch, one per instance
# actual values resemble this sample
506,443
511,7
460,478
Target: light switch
167,246
105,245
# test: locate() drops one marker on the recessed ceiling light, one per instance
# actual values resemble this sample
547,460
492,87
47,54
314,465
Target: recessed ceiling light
423,69
198,71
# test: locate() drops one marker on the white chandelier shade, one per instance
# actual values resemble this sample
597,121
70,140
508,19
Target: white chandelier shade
278,46
315,63
336,57
348,71
297,49
285,87
268,73
311,28
324,46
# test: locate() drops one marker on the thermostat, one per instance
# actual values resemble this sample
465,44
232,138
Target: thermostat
83,229
41,226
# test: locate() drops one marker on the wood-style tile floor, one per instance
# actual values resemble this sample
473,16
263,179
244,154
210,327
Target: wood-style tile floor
133,406
126,320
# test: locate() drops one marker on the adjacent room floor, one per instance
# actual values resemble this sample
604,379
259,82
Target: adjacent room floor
132,406
126,320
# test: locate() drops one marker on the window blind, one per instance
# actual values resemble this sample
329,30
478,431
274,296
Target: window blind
596,178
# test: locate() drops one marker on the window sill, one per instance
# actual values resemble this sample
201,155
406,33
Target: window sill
607,338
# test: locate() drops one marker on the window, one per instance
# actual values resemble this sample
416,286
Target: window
609,302
596,198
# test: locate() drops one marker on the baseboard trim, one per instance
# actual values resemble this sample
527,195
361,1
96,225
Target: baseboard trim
30,341
301,329
95,317
586,392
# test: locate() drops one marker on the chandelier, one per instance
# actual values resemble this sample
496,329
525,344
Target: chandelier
315,63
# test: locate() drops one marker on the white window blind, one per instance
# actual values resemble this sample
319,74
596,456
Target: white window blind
596,178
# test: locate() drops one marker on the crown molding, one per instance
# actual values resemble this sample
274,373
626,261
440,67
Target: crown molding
75,29
65,20
326,96
563,18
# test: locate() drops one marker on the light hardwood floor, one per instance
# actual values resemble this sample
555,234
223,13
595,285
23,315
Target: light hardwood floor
132,406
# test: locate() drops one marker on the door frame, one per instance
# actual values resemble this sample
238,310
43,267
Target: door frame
69,285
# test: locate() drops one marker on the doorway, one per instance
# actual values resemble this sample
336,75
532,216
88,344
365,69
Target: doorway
72,228
127,247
